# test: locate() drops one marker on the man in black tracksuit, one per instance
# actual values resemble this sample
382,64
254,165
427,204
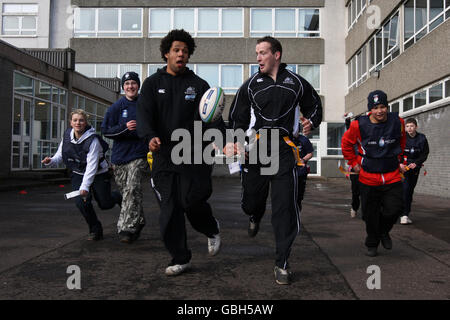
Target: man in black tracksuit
416,153
169,101
275,97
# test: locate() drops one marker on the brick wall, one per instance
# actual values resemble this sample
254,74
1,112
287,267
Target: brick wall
435,125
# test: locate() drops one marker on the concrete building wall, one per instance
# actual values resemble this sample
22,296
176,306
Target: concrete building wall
435,125
61,23
146,50
334,69
42,37
423,63
201,3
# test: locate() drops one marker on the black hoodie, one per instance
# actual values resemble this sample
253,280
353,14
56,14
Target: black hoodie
167,103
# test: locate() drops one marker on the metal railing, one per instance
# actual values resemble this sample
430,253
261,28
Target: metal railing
60,58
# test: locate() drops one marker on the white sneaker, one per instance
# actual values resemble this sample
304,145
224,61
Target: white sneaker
177,269
353,213
214,245
405,220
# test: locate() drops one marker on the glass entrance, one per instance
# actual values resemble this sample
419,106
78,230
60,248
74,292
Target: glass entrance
20,155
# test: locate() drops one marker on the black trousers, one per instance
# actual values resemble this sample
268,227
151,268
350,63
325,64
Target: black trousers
381,207
354,179
177,194
101,191
301,190
409,183
285,212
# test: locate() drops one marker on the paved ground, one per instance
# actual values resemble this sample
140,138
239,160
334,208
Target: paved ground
42,235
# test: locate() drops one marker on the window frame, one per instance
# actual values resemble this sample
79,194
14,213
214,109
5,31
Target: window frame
195,33
96,33
20,16
297,33
427,104
407,42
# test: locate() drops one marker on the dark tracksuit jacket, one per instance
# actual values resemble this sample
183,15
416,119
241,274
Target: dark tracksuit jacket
127,145
168,103
275,105
416,151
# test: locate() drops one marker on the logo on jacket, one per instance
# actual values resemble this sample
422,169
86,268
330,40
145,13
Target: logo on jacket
162,91
190,94
288,80
260,80
381,143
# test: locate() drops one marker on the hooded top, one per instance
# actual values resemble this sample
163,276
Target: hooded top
95,153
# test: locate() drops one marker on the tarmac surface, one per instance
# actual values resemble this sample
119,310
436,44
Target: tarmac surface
42,235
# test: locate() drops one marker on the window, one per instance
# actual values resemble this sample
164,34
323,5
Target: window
354,11
19,19
200,22
421,17
108,22
311,72
286,22
106,70
335,131
227,76
381,49
436,93
423,97
152,68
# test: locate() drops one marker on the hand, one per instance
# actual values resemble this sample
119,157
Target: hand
83,193
412,166
131,125
46,160
154,144
357,168
229,150
306,124
403,168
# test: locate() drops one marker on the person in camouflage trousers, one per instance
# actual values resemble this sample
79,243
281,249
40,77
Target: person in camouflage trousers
129,154
129,180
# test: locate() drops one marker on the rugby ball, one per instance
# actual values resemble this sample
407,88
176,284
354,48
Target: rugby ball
212,104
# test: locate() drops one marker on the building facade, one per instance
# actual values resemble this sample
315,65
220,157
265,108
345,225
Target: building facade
402,47
345,48
113,37
36,99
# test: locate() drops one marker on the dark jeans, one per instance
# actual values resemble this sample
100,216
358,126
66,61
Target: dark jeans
409,183
101,190
381,207
354,178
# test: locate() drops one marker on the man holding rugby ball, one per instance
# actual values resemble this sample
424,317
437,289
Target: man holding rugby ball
169,101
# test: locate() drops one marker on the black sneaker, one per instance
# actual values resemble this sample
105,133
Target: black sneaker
253,227
125,237
95,236
371,251
386,241
137,234
282,276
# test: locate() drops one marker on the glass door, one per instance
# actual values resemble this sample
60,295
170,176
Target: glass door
314,162
21,141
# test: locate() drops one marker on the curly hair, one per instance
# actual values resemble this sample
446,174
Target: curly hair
176,35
